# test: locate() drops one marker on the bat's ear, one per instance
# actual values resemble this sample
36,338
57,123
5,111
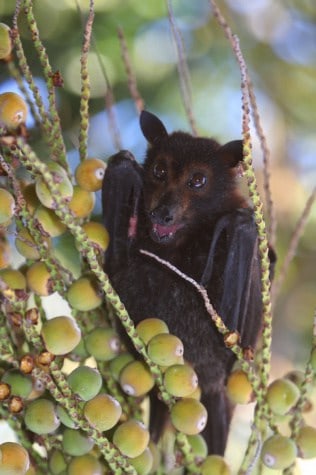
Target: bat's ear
231,153
152,127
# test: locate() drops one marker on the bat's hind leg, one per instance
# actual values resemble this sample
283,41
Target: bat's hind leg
121,193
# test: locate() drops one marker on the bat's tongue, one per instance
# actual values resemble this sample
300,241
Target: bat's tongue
163,231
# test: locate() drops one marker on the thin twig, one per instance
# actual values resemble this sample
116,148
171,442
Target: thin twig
183,70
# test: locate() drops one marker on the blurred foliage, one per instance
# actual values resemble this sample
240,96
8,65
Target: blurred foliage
278,41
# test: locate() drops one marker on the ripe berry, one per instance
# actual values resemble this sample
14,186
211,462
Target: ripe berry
102,412
89,174
131,438
282,395
84,295
150,327
189,416
41,417
306,442
278,452
14,459
61,335
13,110
86,382
239,389
75,442
5,41
136,379
7,207
103,343
165,349
97,234
180,380
215,465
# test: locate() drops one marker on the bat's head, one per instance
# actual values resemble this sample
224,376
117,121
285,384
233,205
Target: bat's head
189,182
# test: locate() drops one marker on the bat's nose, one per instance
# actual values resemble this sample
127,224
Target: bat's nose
161,215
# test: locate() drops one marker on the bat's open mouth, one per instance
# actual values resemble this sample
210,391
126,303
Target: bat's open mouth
164,234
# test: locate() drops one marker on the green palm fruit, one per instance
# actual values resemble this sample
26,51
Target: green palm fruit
165,349
61,335
13,278
5,41
131,438
102,412
189,416
306,442
198,445
7,206
89,174
215,465
85,465
39,279
13,110
82,202
84,295
26,245
76,443
97,234
49,221
86,382
14,459
136,379
282,395
56,462
313,359
143,463
41,416
103,344
118,363
65,417
278,452
63,184
21,384
239,389
180,380
150,327
31,200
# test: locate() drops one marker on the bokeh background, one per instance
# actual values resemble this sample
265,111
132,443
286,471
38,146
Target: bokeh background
278,40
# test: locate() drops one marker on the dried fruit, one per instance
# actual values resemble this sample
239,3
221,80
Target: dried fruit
189,416
131,438
282,395
102,412
61,335
278,452
14,459
136,379
5,41
39,279
41,416
75,442
306,442
7,206
215,465
64,187
165,349
89,174
86,382
82,202
103,344
239,389
13,110
84,295
180,380
150,327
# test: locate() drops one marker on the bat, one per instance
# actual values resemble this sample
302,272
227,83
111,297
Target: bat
184,205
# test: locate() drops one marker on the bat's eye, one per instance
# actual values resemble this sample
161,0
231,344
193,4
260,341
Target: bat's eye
197,180
160,171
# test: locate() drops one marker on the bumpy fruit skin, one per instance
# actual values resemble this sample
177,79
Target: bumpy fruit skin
82,202
7,206
278,452
83,294
189,416
85,465
21,385
150,327
76,443
39,279
41,417
63,185
306,442
215,465
282,395
49,222
118,363
143,463
239,389
97,234
131,438
13,278
61,335
14,459
102,412
13,110
165,349
136,379
103,344
86,382
180,380
89,174
5,41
